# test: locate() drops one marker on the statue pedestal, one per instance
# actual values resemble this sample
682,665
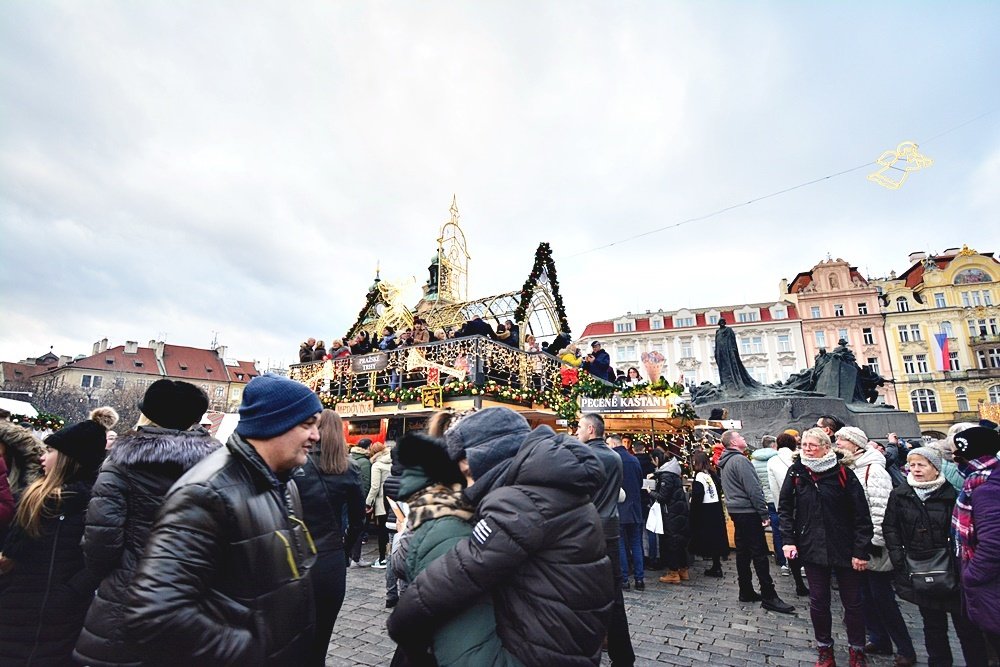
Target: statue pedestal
771,416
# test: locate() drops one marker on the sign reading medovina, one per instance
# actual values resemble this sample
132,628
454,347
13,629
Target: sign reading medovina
618,403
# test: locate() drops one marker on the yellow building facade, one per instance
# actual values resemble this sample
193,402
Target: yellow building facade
942,326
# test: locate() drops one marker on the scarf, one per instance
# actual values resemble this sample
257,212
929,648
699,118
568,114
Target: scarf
924,489
963,530
437,501
822,464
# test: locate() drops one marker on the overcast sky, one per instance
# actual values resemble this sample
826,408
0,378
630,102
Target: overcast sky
174,169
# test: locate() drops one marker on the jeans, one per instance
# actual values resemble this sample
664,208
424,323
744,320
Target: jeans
882,617
751,547
936,638
630,549
619,642
779,556
850,597
394,586
652,545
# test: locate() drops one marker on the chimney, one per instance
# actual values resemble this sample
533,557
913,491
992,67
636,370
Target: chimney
917,256
157,346
131,347
97,348
152,344
221,351
104,345
951,252
64,359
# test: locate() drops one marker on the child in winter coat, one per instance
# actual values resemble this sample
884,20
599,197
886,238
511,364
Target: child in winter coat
669,492
46,590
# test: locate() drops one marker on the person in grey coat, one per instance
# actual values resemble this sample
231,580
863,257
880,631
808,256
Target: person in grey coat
748,510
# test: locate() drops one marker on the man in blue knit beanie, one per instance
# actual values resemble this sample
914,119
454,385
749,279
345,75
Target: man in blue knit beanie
226,575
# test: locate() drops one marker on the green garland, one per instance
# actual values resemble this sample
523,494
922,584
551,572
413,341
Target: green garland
525,396
543,261
45,421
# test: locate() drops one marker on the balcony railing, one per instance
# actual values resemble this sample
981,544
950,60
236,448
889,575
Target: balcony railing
965,416
461,366
984,339
984,373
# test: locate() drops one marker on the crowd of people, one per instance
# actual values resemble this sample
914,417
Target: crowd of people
501,543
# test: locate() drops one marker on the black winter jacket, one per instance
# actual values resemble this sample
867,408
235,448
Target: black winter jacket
825,515
136,475
917,528
43,600
669,492
225,578
606,497
539,549
324,497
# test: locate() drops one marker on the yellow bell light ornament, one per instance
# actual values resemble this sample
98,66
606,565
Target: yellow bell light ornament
905,159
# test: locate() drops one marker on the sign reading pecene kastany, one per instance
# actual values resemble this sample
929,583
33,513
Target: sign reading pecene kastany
618,403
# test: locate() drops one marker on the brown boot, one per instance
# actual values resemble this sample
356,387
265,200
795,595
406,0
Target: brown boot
684,574
671,577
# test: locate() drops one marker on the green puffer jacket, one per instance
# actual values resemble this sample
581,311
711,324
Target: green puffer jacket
359,457
471,637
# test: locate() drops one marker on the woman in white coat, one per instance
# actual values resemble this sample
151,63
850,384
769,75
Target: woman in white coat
883,620
777,469
381,468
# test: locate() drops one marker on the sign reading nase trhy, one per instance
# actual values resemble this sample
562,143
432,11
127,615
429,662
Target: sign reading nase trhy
645,403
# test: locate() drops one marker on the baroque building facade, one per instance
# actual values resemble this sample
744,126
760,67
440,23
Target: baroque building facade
769,334
836,302
942,325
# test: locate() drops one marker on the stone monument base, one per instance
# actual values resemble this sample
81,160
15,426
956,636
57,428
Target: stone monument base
771,416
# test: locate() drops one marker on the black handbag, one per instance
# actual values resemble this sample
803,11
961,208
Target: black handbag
933,575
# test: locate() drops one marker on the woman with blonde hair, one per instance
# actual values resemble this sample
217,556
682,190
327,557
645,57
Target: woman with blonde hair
46,588
328,484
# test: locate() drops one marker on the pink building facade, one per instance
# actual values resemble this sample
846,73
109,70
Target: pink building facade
834,302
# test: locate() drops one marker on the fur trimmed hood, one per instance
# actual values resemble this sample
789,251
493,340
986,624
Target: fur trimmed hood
152,444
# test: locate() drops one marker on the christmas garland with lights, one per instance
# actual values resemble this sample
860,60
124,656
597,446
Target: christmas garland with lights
543,262
372,300
525,396
45,421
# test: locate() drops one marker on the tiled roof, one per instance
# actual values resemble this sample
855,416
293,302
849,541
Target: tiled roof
14,372
246,369
115,360
607,327
191,363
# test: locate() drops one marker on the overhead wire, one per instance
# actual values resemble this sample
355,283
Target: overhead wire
763,197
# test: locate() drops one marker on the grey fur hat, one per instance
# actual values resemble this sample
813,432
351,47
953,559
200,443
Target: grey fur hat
486,438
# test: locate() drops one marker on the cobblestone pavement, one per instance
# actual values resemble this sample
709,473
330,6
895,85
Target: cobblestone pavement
699,622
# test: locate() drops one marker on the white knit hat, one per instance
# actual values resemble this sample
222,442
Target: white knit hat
853,435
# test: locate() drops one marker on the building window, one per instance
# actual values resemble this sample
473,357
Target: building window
842,335
953,362
862,308
623,327
904,333
234,393
686,349
994,393
902,305
872,365
683,322
915,332
838,310
962,399
923,400
712,319
656,323
939,301
814,312
752,316
965,300
820,339
922,366
220,392
868,336
987,299
784,343
909,367
945,328
91,381
989,358
780,314
690,379
758,373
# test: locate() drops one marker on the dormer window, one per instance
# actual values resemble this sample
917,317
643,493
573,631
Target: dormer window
109,361
138,364
183,367
207,369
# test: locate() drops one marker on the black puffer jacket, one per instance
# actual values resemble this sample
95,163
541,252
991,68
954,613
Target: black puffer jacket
538,546
44,599
825,515
225,576
669,492
917,528
136,475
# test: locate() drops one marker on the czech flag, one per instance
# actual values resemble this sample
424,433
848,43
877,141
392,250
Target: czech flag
941,351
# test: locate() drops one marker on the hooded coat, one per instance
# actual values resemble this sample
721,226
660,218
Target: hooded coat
825,516
777,470
6,501
381,469
981,574
869,467
759,459
24,456
136,475
669,492
539,549
741,485
359,457
914,527
44,599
